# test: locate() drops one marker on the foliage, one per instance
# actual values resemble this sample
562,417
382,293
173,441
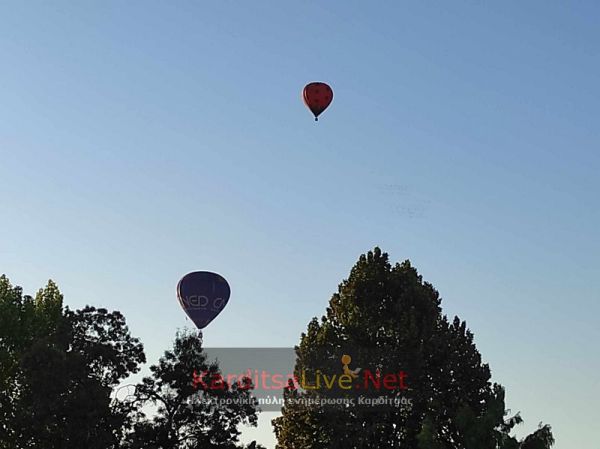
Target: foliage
191,414
389,317
58,368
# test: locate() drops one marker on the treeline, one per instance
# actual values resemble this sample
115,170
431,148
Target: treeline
60,370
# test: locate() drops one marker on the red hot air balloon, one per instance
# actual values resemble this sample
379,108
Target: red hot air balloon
317,96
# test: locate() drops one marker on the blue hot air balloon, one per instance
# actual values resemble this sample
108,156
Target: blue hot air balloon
203,295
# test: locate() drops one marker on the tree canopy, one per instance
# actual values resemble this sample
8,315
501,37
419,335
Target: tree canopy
59,370
195,406
389,318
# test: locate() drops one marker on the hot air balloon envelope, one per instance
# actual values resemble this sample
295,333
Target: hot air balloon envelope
317,96
203,295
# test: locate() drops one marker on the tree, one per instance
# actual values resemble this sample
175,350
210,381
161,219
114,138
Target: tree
194,406
390,319
58,369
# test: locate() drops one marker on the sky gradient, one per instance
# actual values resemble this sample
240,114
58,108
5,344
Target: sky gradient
143,140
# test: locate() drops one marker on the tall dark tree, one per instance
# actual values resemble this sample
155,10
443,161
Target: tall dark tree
58,369
389,318
193,405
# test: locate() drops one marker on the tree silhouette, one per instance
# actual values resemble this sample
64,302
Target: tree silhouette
389,318
195,407
57,371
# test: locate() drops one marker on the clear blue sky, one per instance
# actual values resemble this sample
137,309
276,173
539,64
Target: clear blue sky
143,140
